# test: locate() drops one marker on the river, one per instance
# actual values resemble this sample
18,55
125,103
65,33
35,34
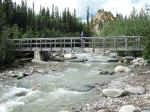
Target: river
58,91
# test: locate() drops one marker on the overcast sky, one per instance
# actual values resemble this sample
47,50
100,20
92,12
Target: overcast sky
115,6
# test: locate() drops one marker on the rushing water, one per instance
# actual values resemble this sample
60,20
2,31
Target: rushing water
58,91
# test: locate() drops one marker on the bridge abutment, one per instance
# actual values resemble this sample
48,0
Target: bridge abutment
37,57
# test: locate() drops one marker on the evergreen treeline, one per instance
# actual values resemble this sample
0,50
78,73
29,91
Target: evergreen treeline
22,21
137,24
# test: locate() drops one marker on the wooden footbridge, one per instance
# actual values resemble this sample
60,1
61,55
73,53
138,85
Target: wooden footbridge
117,43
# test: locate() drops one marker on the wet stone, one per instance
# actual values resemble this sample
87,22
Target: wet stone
129,108
23,93
113,92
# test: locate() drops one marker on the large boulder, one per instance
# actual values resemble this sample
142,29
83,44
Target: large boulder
69,56
113,92
122,69
135,90
22,93
139,62
129,108
127,59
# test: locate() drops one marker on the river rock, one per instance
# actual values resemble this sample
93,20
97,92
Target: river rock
103,72
106,72
139,62
57,58
20,75
117,84
122,69
113,92
69,56
130,58
58,53
41,71
36,87
135,90
113,60
22,93
129,108
127,59
113,55
13,75
26,74
147,72
79,60
10,72
107,52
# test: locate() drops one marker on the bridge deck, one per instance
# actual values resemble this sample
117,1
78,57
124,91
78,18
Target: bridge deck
117,43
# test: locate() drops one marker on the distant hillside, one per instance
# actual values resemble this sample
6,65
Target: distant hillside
101,18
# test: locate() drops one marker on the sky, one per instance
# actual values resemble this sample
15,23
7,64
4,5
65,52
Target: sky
123,7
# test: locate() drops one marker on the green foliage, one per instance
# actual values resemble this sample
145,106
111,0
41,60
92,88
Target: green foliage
20,21
24,22
15,32
6,56
146,52
135,24
88,26
28,34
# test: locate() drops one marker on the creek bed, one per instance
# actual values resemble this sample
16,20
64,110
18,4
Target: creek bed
58,91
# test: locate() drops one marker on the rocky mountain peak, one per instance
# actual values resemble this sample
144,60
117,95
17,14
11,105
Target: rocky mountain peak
101,18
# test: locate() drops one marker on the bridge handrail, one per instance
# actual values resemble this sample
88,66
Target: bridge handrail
76,38
115,42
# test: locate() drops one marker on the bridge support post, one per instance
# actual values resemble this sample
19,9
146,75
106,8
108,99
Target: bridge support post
71,44
93,45
139,43
126,43
64,43
115,44
104,44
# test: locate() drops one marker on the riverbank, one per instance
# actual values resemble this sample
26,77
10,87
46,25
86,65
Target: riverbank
22,69
53,90
138,98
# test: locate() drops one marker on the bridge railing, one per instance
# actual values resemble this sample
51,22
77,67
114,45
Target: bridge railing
115,43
